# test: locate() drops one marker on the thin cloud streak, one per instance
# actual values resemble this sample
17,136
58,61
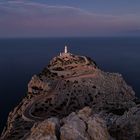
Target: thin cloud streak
21,18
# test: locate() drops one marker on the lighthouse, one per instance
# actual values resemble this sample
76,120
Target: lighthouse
65,53
66,49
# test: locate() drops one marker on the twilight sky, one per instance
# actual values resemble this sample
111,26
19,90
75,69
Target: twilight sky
58,18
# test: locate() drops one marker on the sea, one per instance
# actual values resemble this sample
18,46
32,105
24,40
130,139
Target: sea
21,58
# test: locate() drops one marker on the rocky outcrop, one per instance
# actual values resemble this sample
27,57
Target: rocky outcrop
46,130
129,124
86,125
82,125
72,99
36,86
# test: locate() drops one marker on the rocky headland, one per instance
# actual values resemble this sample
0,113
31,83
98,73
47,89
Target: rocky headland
72,99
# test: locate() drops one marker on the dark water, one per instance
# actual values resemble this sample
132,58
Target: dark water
21,58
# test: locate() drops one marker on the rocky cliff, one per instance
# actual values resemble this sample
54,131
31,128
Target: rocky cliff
72,99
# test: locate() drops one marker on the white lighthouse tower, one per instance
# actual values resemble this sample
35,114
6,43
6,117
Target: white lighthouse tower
65,53
66,49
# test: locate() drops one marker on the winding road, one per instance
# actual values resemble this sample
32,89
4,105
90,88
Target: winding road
28,116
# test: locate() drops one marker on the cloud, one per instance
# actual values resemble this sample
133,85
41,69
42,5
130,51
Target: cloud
22,18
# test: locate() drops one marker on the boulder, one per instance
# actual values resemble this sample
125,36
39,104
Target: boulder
46,130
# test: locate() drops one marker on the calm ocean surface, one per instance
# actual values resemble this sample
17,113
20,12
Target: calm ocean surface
22,58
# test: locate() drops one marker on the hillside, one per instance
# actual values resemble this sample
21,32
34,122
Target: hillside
72,99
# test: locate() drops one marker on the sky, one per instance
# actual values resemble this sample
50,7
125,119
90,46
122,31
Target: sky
69,18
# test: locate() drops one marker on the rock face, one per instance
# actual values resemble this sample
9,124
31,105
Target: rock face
84,126
46,130
72,99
